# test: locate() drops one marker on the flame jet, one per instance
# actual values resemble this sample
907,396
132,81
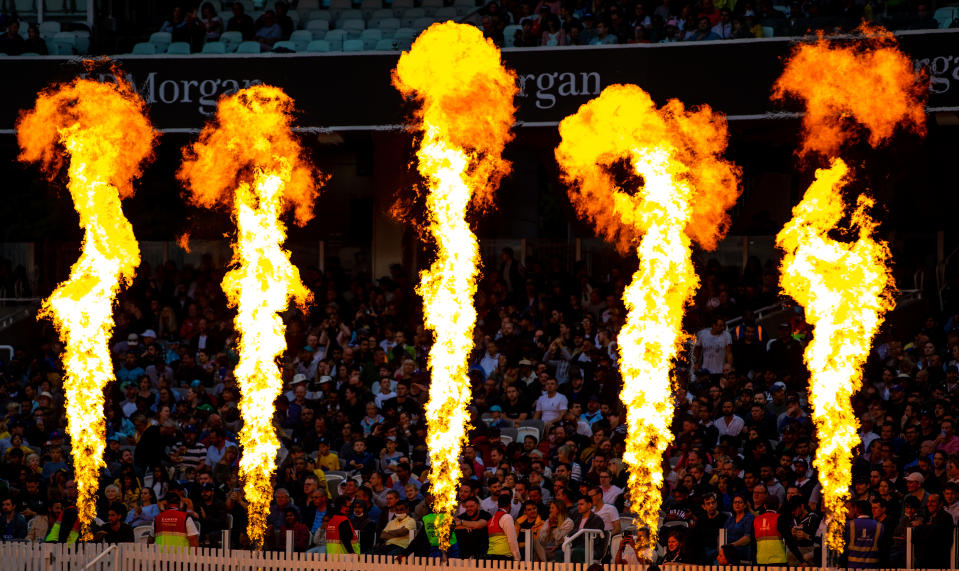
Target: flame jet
105,132
466,98
249,160
685,190
844,286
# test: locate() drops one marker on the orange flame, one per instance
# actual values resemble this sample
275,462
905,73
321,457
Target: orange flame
685,191
104,129
871,83
466,98
250,160
183,241
845,287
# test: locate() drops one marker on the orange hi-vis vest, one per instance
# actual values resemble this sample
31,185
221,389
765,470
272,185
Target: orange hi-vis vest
770,547
169,528
334,543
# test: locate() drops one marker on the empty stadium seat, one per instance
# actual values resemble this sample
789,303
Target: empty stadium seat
405,34
353,28
318,28
54,5
47,28
318,46
370,6
231,40
402,4
769,32
144,48
301,38
336,39
178,48
385,45
305,7
411,14
422,23
946,16
464,7
344,15
353,46
214,48
161,40
444,14
248,48
64,44
509,34
387,24
381,14
431,6
320,15
285,46
83,41
370,38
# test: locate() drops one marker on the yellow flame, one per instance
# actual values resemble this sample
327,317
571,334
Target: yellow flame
845,289
844,286
685,191
467,110
249,158
104,130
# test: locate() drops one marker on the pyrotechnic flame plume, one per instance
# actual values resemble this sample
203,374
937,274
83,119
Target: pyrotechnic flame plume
686,189
844,286
103,129
869,82
250,160
466,98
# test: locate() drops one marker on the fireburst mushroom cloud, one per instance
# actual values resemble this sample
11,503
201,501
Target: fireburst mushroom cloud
249,160
845,285
104,130
683,194
466,112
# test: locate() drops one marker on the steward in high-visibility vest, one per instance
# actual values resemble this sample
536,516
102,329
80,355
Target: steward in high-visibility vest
174,527
340,535
67,527
863,539
770,544
502,532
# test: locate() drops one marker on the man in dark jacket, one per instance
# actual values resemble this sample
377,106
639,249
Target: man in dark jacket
934,536
586,519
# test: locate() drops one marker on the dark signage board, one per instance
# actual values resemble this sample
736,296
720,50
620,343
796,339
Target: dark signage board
353,91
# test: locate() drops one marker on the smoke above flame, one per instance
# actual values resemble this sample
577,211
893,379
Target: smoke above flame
845,286
868,84
466,111
685,189
103,129
249,160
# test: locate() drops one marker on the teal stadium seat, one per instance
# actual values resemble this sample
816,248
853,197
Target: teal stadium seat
248,48
318,46
179,48
144,48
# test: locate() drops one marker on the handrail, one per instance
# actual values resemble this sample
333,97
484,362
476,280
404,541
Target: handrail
101,556
758,313
568,544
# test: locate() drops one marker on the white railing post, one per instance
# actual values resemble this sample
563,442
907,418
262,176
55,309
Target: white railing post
908,548
289,542
529,544
589,549
225,540
825,554
721,538
952,552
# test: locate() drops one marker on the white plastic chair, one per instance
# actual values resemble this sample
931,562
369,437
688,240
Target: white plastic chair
231,40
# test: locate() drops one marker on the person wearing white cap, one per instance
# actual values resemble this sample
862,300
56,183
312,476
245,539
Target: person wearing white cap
914,487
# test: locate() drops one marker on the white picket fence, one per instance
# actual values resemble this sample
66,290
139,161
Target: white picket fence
136,557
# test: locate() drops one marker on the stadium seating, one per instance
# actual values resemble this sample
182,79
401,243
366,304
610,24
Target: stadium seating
353,46
83,41
144,48
345,15
248,48
412,14
946,16
385,45
318,46
381,14
405,34
464,7
231,40
47,28
444,14
64,44
422,23
370,38
178,48
214,48
431,6
509,34
336,39
352,27
284,46
161,40
387,25
301,38
318,28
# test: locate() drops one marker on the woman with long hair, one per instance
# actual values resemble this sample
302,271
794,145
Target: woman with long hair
146,509
551,535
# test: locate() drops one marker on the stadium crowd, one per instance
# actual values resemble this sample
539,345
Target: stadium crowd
519,23
546,446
